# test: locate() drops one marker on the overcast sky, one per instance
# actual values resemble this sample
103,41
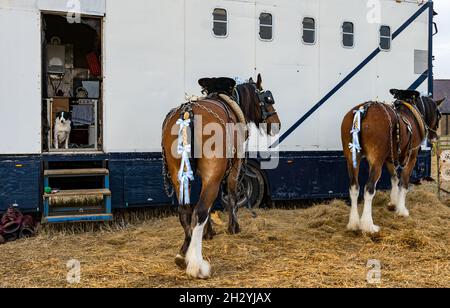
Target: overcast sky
442,40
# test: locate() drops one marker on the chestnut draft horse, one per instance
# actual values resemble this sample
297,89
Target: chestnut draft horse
389,135
257,107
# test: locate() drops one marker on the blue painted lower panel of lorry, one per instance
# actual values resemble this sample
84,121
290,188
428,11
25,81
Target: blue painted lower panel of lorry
20,183
136,180
318,175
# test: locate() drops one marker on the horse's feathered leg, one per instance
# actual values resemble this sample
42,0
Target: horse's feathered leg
197,267
395,186
354,221
185,216
233,186
401,209
353,171
367,224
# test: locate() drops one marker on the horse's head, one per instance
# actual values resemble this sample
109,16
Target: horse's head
432,116
428,108
258,105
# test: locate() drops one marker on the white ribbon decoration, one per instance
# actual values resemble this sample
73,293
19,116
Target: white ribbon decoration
185,175
355,147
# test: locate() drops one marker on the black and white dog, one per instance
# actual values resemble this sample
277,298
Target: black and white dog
62,130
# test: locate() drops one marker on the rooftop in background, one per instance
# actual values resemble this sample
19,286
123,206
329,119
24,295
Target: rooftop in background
441,90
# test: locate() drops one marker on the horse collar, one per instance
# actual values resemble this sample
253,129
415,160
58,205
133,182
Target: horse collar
419,118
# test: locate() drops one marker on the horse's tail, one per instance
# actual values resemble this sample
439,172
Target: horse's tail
355,146
191,162
168,185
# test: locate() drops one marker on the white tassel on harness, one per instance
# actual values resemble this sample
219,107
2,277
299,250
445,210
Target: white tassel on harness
185,175
355,147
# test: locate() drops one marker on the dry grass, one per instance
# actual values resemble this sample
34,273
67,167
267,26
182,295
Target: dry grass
279,248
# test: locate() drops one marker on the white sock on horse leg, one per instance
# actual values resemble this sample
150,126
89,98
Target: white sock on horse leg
395,191
196,266
401,206
366,219
354,222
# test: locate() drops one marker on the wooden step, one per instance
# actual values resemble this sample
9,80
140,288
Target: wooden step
77,218
80,193
75,172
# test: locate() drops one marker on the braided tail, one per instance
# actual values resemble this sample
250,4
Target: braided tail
355,146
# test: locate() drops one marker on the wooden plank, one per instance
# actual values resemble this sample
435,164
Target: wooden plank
78,218
80,193
75,172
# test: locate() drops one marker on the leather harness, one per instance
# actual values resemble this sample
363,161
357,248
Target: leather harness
399,119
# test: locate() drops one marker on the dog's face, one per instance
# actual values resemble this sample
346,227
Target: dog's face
62,118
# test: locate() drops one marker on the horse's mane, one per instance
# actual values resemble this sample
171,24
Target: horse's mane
249,102
428,104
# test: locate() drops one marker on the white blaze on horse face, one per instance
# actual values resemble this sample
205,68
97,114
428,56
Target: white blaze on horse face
196,266
401,206
354,222
395,190
366,219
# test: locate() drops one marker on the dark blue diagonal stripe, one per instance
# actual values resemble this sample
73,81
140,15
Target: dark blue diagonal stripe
329,95
419,81
349,76
410,20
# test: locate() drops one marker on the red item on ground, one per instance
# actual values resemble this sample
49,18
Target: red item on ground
11,221
14,225
27,227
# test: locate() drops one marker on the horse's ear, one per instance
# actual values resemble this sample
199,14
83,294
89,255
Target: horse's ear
259,82
440,102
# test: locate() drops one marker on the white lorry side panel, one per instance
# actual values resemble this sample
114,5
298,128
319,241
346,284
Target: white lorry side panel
389,69
155,51
20,81
210,56
290,67
144,72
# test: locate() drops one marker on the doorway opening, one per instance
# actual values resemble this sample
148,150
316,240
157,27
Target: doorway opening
72,108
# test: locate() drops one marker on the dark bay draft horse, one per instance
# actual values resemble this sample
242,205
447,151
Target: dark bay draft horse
389,135
257,107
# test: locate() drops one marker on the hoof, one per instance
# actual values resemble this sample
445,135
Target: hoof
199,271
233,230
370,228
208,236
392,207
403,213
353,226
180,262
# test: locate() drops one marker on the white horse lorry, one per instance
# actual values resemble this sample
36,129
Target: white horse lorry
118,67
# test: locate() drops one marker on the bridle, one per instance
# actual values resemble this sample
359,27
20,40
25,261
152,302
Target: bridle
438,115
265,100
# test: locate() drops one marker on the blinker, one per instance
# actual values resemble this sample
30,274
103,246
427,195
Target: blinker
266,97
